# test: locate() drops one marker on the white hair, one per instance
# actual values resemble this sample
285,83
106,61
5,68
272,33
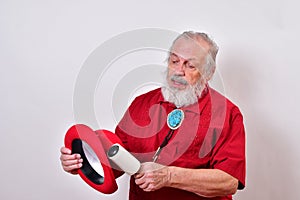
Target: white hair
185,97
210,61
191,94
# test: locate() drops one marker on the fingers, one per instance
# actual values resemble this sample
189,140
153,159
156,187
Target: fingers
145,182
65,150
152,176
144,186
72,167
70,162
139,180
139,175
67,157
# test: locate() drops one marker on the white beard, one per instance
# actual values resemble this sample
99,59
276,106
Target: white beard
185,97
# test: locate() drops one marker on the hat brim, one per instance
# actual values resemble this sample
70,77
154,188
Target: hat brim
99,141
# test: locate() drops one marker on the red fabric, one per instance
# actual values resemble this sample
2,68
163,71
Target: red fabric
211,136
107,139
99,141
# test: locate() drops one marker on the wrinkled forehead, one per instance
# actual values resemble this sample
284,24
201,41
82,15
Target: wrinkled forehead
189,48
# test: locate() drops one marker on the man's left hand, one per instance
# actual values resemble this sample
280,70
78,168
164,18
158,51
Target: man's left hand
152,176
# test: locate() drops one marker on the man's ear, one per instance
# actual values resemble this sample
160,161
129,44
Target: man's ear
210,74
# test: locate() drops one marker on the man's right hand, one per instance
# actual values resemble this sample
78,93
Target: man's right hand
70,162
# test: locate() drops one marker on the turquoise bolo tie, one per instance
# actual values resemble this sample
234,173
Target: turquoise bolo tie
174,121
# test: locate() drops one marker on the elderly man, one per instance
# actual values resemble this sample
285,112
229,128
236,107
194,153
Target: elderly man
189,138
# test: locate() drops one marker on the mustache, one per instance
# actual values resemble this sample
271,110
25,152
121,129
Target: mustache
178,79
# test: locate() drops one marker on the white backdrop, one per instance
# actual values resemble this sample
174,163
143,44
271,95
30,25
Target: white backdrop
43,45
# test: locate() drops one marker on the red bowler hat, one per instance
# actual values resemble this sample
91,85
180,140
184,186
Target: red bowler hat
83,140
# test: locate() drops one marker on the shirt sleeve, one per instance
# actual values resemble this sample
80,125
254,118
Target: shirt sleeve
229,151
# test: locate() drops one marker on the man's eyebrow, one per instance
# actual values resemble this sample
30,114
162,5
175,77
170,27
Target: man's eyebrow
189,59
174,54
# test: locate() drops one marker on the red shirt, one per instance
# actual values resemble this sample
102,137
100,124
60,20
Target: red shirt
211,136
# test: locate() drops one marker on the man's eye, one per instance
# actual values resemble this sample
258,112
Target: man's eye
174,61
191,67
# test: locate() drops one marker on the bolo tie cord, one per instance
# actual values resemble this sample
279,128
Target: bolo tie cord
163,144
174,121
